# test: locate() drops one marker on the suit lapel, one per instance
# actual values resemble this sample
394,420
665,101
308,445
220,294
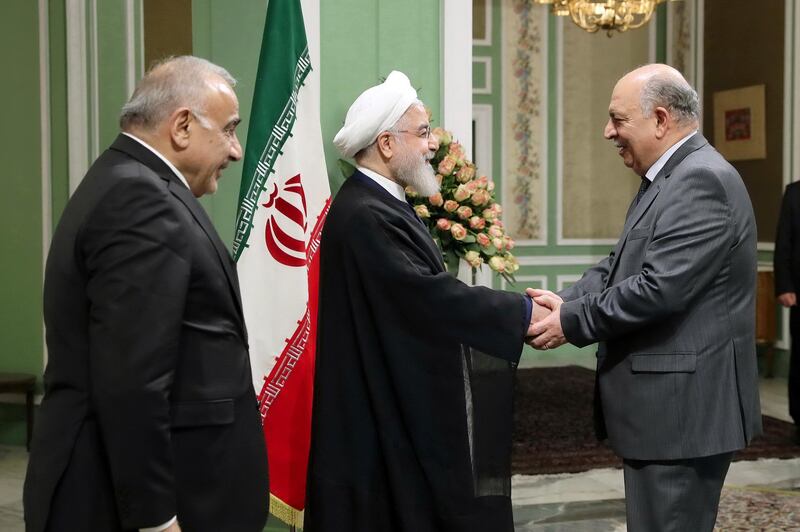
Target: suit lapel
199,213
635,212
178,189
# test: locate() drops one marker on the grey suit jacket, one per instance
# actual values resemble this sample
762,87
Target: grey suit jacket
673,307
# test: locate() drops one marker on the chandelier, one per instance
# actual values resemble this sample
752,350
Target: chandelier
608,15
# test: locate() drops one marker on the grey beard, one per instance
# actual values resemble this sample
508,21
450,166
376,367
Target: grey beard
417,173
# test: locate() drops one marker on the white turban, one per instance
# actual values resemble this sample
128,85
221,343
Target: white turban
375,110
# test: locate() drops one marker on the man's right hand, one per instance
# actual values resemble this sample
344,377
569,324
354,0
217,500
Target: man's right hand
787,299
174,527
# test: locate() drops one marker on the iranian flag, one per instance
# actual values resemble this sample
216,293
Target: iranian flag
283,201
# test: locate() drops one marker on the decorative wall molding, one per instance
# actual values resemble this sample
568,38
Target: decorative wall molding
482,115
456,46
77,92
487,40
562,280
698,46
487,65
560,260
523,280
524,71
45,142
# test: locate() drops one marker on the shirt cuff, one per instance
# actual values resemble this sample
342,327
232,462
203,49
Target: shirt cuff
160,527
527,313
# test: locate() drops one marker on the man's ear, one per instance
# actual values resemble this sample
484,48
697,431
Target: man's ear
180,124
384,144
663,118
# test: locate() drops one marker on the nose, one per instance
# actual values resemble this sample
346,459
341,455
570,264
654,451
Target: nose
236,148
433,143
609,132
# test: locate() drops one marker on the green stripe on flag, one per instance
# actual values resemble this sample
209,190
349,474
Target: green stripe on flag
283,65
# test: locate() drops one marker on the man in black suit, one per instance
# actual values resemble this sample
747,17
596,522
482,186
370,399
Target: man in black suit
149,419
787,281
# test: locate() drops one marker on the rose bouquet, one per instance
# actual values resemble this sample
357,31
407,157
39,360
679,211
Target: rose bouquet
464,218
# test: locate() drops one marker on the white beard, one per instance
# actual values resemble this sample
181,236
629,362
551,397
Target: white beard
417,172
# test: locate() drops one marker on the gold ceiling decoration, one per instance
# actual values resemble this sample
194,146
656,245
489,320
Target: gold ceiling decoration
608,15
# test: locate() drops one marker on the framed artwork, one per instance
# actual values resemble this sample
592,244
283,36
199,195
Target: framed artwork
739,123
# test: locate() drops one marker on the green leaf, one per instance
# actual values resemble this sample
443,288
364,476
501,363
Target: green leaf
469,239
473,247
451,260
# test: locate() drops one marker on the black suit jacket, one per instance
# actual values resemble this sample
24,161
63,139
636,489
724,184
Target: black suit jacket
149,409
787,247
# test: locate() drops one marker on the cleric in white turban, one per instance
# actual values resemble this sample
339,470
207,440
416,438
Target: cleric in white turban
376,109
402,439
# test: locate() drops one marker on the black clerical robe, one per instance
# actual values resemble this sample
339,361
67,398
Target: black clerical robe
411,423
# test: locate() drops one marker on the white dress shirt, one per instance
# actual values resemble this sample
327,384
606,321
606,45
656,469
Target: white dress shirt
152,149
391,187
653,171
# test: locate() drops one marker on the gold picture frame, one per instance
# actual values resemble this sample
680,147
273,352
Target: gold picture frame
739,123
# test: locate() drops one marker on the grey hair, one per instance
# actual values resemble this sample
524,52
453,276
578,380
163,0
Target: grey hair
172,83
674,93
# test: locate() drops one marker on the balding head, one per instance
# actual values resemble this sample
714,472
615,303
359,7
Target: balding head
663,86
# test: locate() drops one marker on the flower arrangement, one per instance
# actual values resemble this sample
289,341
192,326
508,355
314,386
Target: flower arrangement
464,218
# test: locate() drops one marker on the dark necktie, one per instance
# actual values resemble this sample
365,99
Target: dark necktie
642,189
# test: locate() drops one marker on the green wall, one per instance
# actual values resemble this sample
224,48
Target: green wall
20,202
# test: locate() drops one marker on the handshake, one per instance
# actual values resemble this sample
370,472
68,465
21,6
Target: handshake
544,331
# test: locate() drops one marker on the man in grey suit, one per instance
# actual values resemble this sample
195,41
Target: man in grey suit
673,309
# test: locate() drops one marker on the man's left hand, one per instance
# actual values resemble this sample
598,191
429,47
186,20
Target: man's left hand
547,333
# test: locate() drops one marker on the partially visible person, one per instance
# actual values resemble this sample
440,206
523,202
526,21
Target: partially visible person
411,424
149,419
786,262
673,309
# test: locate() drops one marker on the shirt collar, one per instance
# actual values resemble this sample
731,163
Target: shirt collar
659,164
395,189
152,149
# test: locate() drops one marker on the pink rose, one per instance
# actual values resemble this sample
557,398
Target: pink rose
410,192
461,193
482,181
481,197
477,223
488,214
465,174
490,186
471,186
442,135
510,243
511,264
484,240
450,205
443,224
458,231
473,258
498,243
436,200
464,212
497,264
456,150
497,208
495,231
439,179
422,211
447,165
